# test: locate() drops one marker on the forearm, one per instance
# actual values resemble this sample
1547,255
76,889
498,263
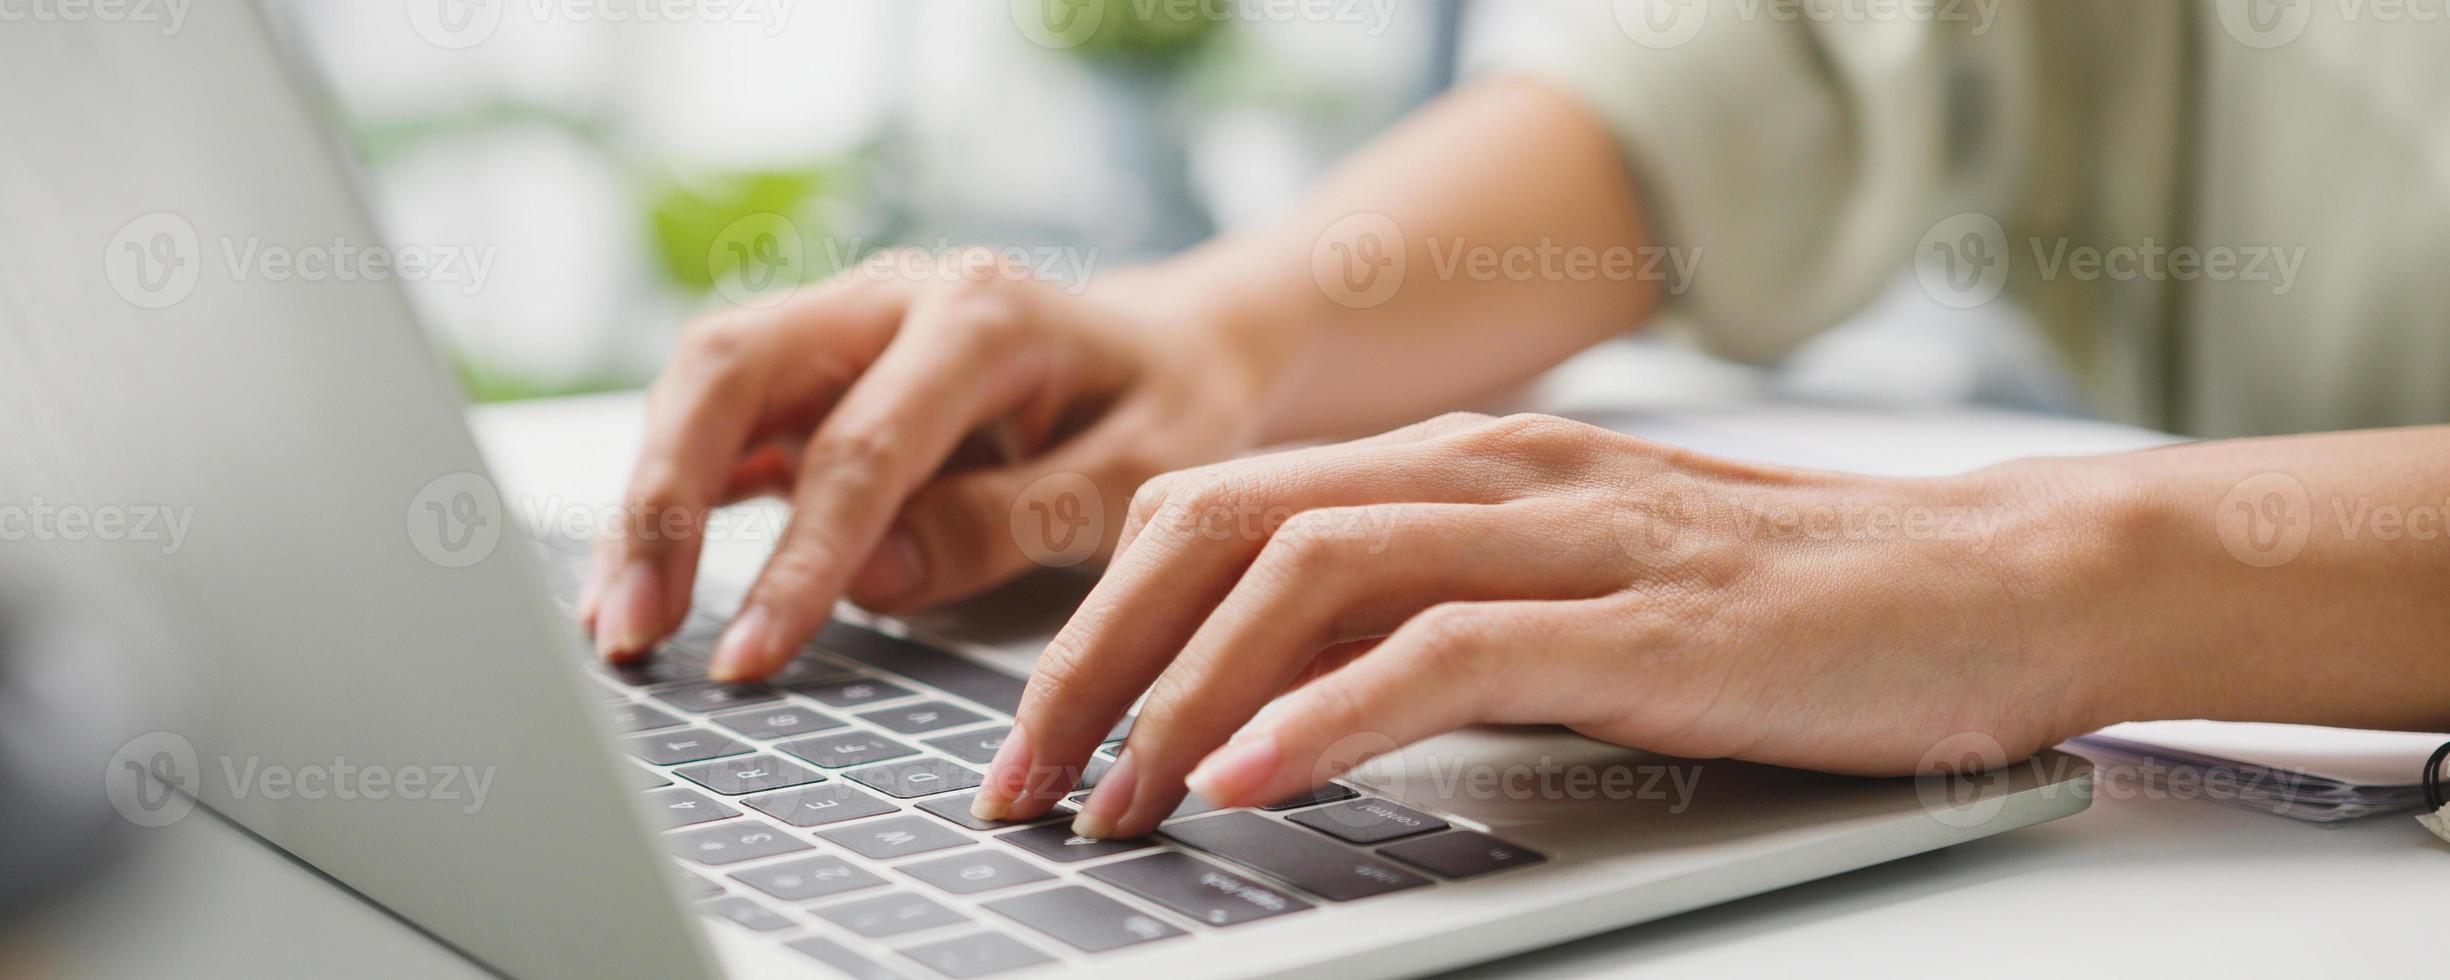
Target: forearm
1520,243
2297,579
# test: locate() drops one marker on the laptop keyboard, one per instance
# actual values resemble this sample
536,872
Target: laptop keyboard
830,810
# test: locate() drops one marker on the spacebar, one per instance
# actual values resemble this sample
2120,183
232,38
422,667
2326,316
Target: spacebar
941,669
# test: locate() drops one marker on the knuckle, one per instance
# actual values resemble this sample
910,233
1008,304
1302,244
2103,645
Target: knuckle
719,338
1306,547
1448,636
1529,431
1150,499
857,453
1459,421
1055,680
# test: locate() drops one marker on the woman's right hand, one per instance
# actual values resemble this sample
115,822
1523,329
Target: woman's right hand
863,399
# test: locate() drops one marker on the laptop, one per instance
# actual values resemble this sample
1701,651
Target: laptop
638,822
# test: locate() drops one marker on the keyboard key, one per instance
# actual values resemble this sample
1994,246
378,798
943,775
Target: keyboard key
745,913
1083,918
731,843
695,886
1122,728
645,778
687,808
630,716
917,777
1462,854
956,809
707,696
853,693
1192,805
1330,793
747,774
976,748
842,960
976,955
808,878
925,716
1368,821
943,670
895,837
653,671
1056,842
971,872
1196,888
778,721
1301,859
686,745
847,749
890,914
818,804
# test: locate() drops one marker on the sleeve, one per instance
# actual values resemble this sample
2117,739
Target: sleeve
1800,157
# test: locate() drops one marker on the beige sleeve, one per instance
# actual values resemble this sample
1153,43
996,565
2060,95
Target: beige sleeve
1800,159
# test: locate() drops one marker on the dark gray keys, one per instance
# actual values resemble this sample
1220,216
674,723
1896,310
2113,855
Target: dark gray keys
1329,793
976,748
1368,821
629,716
925,716
855,692
943,670
895,837
1302,859
916,777
686,745
818,804
1462,854
1192,805
745,913
694,886
1083,919
1057,842
847,749
956,809
778,721
645,778
704,697
653,671
842,960
1203,891
731,842
890,914
976,955
746,774
686,808
808,878
971,872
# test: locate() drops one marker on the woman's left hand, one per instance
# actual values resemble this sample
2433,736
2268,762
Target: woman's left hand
1536,570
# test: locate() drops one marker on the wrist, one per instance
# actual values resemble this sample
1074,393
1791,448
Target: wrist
1211,311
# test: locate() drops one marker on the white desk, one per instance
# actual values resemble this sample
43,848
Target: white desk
2131,887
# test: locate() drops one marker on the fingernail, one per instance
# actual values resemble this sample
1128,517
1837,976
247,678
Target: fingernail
1109,800
893,571
1233,772
1007,776
626,623
745,648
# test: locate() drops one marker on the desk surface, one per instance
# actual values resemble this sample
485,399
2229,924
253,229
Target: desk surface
2138,884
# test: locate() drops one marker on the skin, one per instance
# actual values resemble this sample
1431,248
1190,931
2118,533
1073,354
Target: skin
1289,615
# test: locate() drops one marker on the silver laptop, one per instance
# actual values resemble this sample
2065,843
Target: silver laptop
636,822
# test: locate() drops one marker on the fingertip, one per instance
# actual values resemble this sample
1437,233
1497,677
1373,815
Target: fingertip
626,622
1235,773
745,654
